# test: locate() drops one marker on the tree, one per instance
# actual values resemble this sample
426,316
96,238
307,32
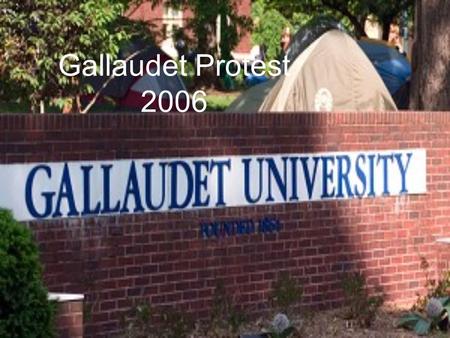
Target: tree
431,56
203,24
388,11
355,11
268,27
35,34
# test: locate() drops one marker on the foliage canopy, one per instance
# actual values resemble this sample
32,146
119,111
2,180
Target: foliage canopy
35,34
25,310
355,11
268,27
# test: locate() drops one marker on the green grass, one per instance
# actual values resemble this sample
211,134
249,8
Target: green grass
220,102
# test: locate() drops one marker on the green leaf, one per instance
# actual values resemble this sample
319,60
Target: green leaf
445,301
423,327
21,287
30,53
286,333
409,320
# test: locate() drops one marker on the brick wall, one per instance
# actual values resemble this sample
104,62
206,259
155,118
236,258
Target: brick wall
245,43
162,258
69,318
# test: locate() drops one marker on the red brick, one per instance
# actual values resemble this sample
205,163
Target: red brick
159,257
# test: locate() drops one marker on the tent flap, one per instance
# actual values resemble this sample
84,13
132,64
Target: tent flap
332,74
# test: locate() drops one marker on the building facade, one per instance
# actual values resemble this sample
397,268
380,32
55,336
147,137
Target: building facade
167,19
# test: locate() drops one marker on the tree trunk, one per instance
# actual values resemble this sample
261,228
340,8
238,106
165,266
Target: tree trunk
431,56
359,27
41,107
386,25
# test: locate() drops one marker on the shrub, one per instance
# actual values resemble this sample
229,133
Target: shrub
175,324
138,321
269,24
226,318
145,321
286,294
361,307
435,288
25,310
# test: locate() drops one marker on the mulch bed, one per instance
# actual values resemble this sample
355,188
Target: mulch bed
332,324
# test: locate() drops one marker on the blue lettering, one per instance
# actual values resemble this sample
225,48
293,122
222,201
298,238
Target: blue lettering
361,175
148,185
308,180
220,175
342,176
281,182
403,169
294,195
86,191
385,159
66,191
228,228
241,228
247,180
371,175
201,183
174,203
251,227
327,177
269,225
107,191
132,189
48,196
215,229
204,230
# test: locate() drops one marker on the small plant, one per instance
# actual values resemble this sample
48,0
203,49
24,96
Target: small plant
281,327
435,317
226,318
138,322
142,318
175,324
435,288
286,294
361,307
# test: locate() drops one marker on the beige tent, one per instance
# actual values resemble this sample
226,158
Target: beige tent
252,99
332,74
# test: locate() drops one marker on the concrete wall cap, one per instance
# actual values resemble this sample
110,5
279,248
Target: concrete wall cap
65,297
443,240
